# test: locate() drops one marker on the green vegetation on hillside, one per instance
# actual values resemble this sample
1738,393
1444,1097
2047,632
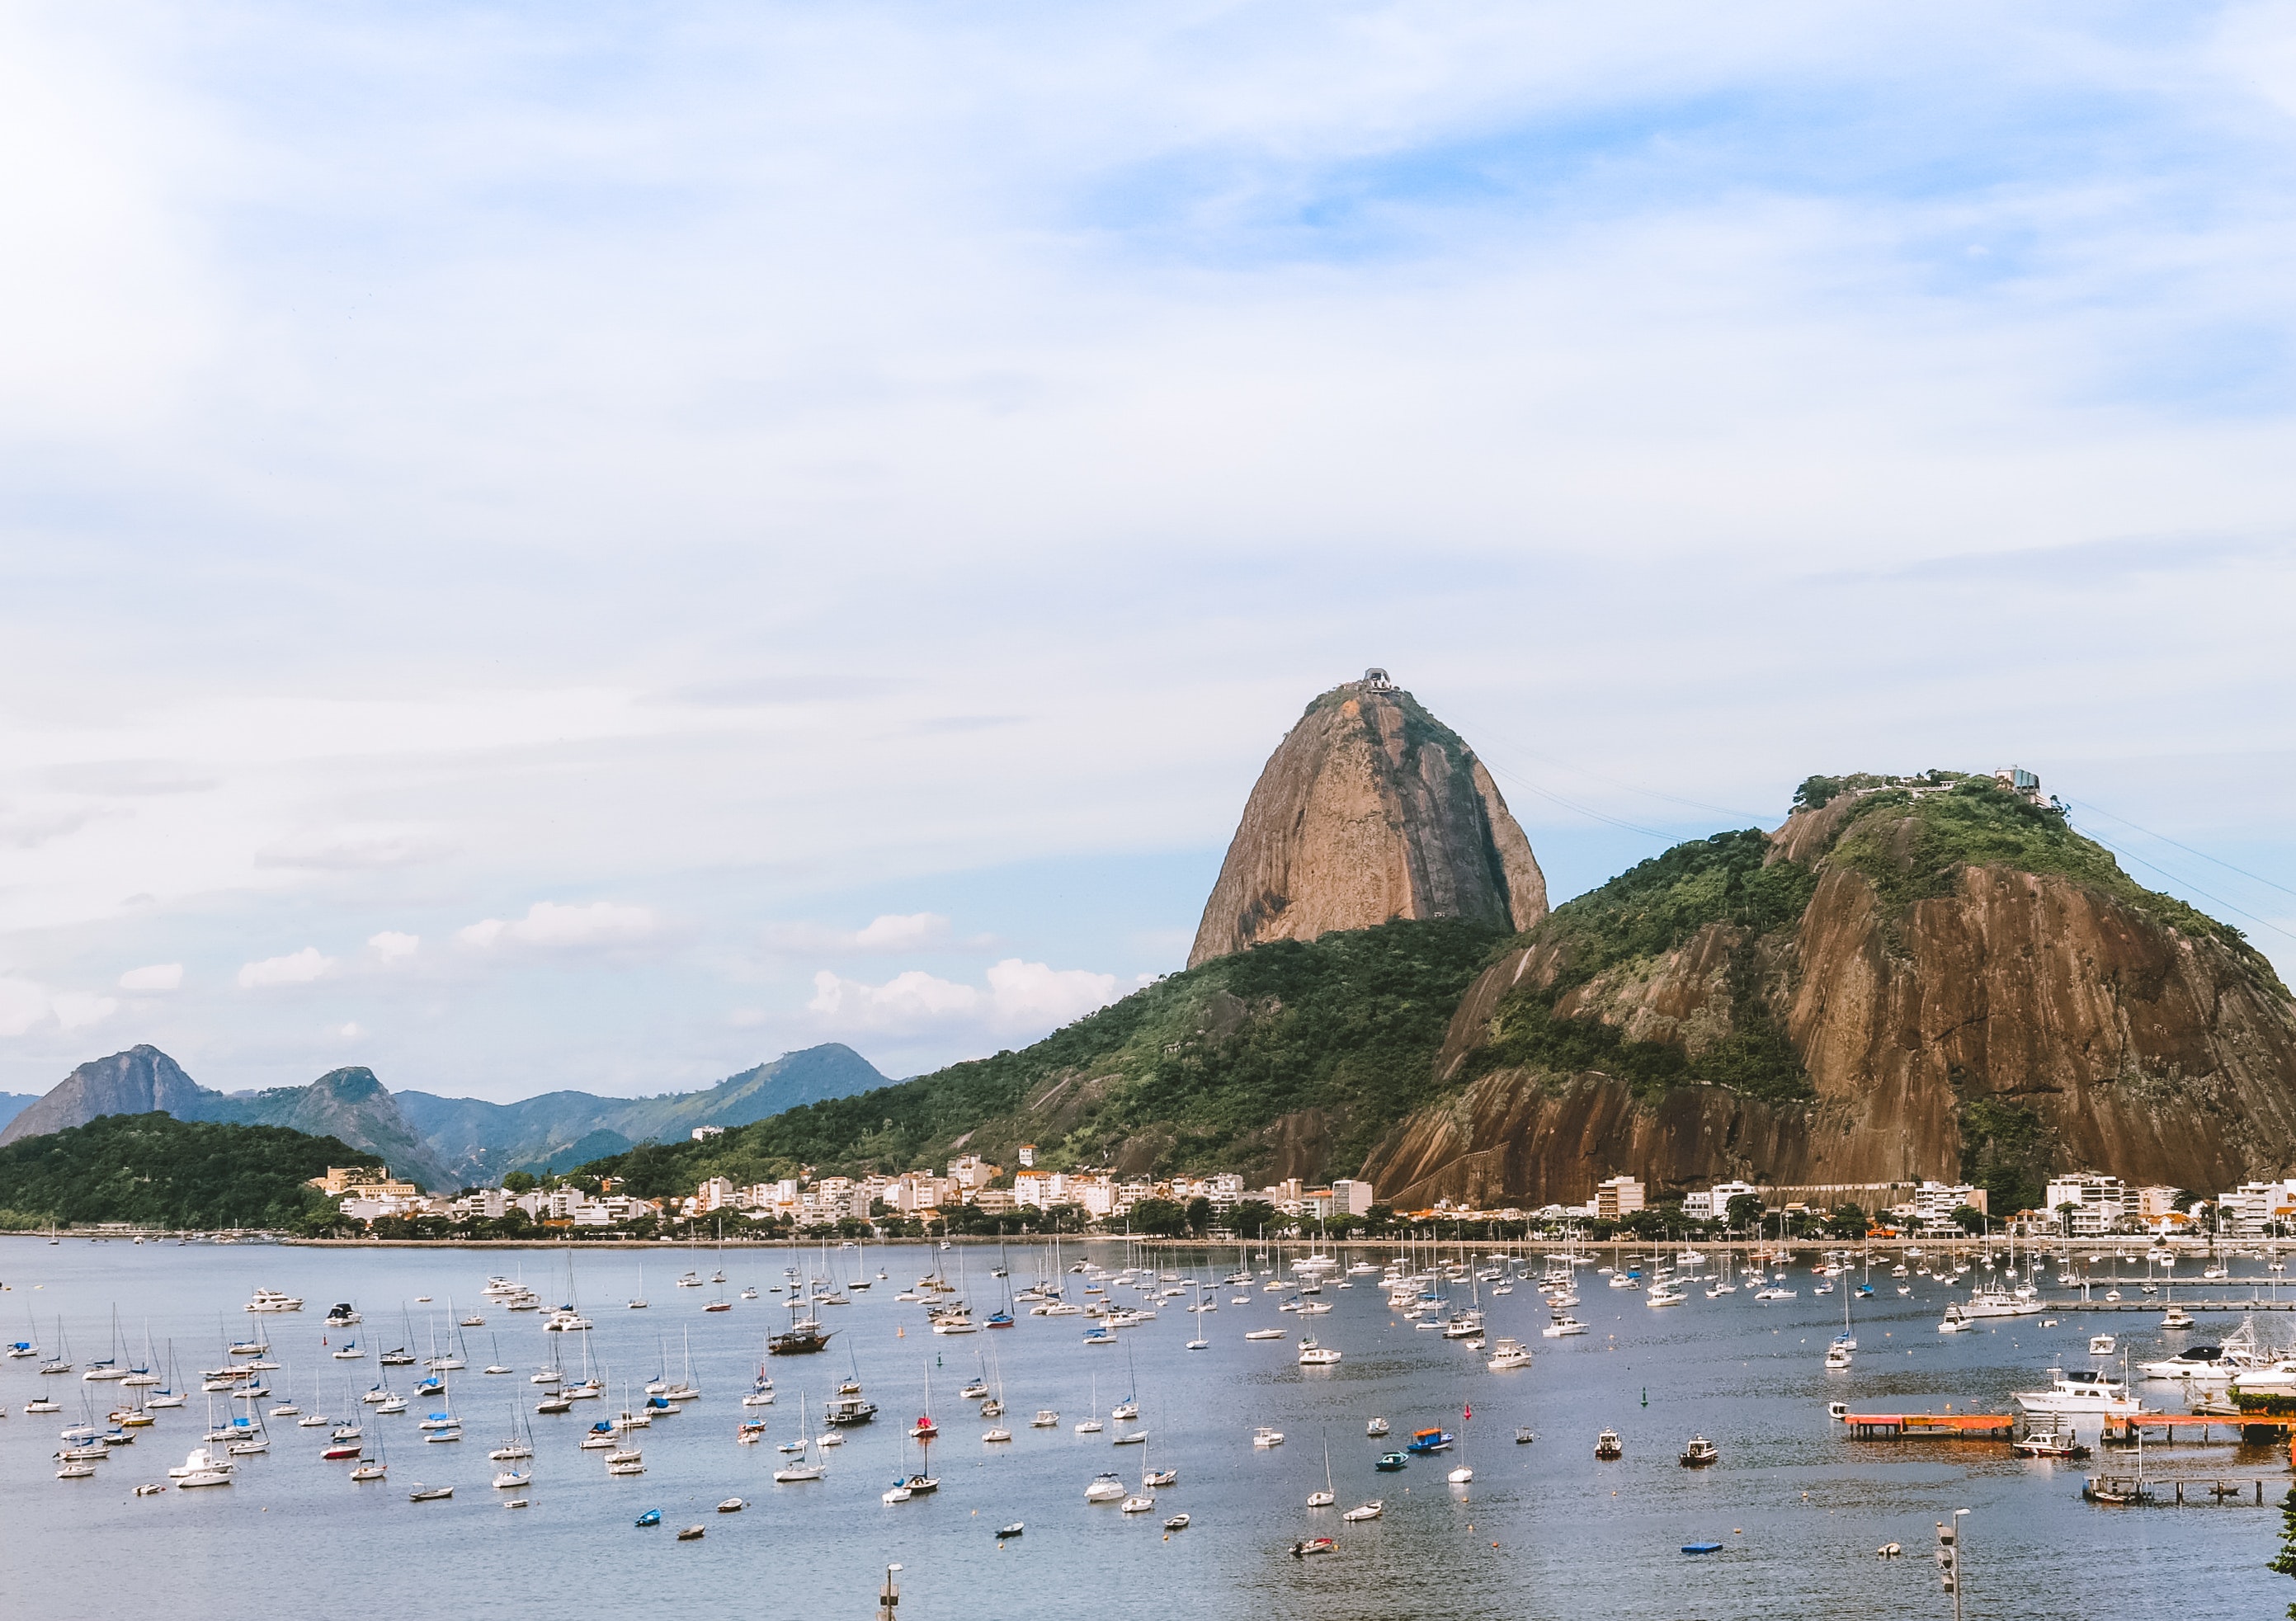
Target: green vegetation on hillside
1187,1074
1641,914
155,1170
1655,906
1910,847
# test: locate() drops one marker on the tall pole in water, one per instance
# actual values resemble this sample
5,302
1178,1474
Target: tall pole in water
888,1599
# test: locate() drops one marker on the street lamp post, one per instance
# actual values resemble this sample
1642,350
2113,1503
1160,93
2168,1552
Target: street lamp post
1949,1553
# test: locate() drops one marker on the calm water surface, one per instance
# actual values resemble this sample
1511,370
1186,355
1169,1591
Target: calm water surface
1544,1531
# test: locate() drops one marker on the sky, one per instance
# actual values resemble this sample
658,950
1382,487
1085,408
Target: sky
584,545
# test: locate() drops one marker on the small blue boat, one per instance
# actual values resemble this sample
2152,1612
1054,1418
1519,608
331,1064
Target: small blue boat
1388,1462
1425,1441
651,1517
1702,1547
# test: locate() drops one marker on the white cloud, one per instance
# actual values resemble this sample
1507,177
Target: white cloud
394,947
297,968
346,1032
887,934
352,848
549,925
153,976
76,1010
24,1004
896,931
1020,996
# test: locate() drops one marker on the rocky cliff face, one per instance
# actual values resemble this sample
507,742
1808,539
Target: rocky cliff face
1951,1019
135,1082
349,1104
1371,809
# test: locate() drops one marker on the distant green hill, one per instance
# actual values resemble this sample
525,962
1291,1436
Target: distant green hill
1285,1060
156,1170
477,1141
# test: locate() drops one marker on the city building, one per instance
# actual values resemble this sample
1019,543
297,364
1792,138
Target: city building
1620,1196
366,1181
2098,1202
1713,1204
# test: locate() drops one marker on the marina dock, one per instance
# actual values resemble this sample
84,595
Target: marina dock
1931,1426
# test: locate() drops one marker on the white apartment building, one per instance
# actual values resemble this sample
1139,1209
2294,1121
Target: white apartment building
1712,1204
1934,1202
2248,1208
1350,1197
2099,1202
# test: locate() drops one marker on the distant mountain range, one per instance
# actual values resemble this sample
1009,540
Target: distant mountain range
442,1142
14,1103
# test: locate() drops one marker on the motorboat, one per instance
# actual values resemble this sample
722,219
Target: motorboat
1363,1512
272,1300
1106,1488
1955,1321
1698,1452
2087,1391
1565,1324
1424,1443
1837,1358
1314,1544
1376,1429
1607,1445
1314,1355
1508,1354
1390,1463
1264,1436
2102,1345
429,1493
1265,1334
2052,1443
1178,1522
1996,1300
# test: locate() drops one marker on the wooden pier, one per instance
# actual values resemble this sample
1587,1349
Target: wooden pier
2127,1491
1930,1426
2254,1428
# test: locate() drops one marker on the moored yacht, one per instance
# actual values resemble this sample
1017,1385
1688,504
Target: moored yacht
2087,1391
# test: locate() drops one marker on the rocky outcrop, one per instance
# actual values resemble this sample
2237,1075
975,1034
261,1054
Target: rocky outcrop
2160,1053
349,1104
135,1082
1370,809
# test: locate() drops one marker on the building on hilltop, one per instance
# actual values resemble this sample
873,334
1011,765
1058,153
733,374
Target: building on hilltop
366,1181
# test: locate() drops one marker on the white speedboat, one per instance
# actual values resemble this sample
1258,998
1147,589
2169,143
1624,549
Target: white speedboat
274,1300
1509,1354
1106,1488
1264,1436
1313,1355
1564,1325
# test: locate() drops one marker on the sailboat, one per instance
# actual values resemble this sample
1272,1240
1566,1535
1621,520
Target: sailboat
1091,1425
1325,1498
315,1419
922,1433
638,1300
761,1388
805,1467
168,1394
